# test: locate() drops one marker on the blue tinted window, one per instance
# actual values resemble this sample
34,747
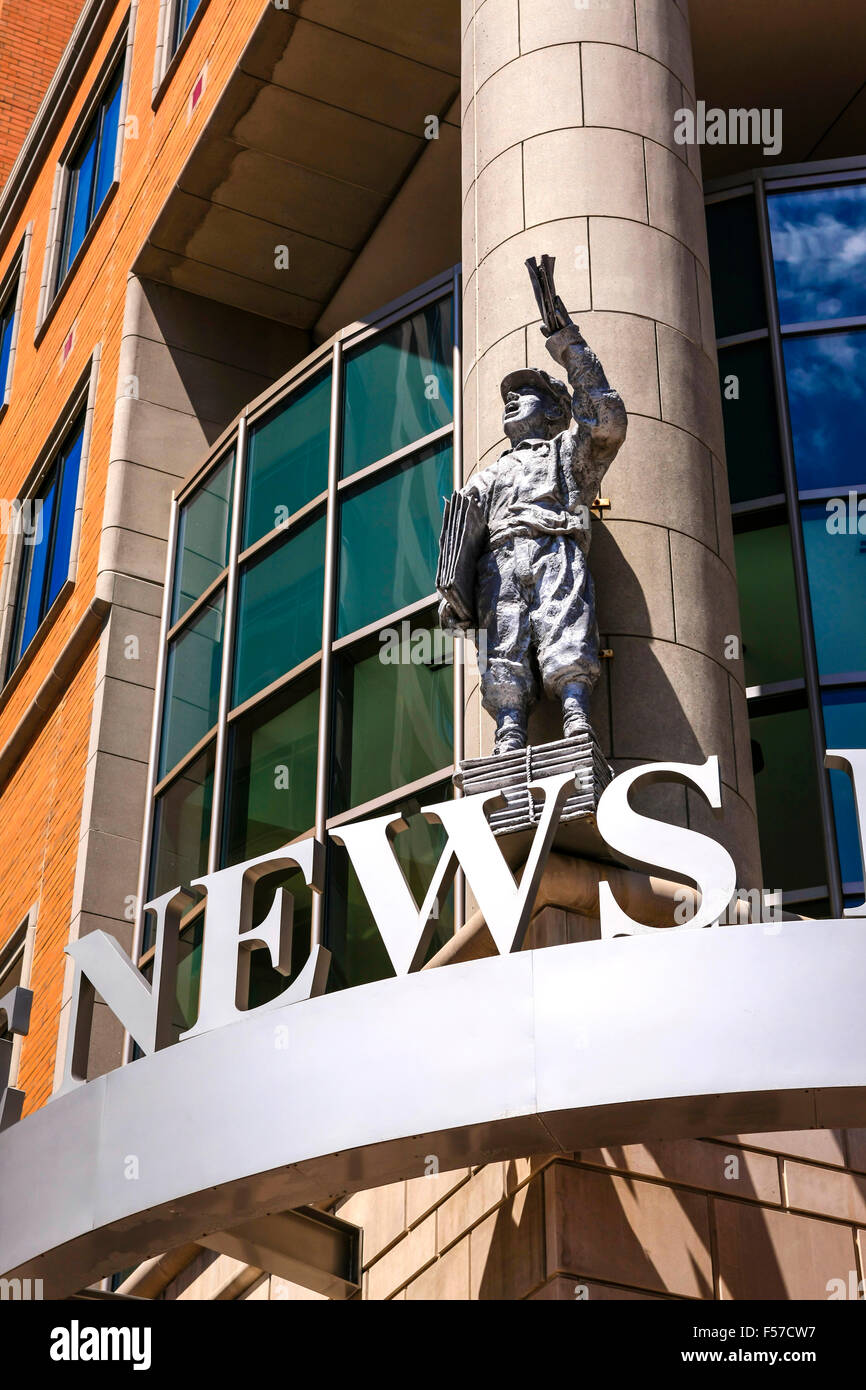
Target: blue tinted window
64,518
46,523
819,253
107,145
185,11
90,175
7,319
826,379
845,727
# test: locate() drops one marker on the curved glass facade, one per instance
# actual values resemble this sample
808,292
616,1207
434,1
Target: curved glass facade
305,546
788,262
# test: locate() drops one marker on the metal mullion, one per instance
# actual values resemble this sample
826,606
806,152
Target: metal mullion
426,441
754,335
185,763
395,312
459,638
282,683
397,796
197,606
323,751
294,523
798,555
412,610
855,324
219,775
153,751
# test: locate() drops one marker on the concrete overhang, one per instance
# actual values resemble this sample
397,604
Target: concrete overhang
806,60
318,128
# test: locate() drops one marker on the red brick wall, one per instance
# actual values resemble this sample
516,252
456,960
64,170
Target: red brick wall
32,38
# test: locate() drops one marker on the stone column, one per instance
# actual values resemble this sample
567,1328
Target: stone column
568,148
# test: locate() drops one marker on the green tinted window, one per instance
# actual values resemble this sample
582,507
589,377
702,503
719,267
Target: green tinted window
192,684
399,388
792,851
203,538
735,266
845,727
272,783
288,459
389,539
189,973
280,610
359,954
751,432
182,827
768,606
836,562
394,720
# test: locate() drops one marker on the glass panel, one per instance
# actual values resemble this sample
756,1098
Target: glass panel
819,253
389,539
80,187
288,460
10,976
182,827
735,267
63,522
792,852
107,145
192,684
394,719
185,11
768,606
359,954
34,563
836,562
280,611
6,321
751,432
272,778
826,379
189,973
398,388
845,727
203,538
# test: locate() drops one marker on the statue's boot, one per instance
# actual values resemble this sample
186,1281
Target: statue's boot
510,731
575,708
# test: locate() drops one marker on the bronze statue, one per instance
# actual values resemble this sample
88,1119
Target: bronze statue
515,541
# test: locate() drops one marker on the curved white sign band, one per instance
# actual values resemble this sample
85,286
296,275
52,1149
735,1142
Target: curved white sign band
732,1029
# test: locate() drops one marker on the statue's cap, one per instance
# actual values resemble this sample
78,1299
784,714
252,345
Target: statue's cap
542,381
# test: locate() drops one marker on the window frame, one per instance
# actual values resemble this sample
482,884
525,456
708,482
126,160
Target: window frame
12,296
80,403
19,945
117,65
318,667
171,47
761,184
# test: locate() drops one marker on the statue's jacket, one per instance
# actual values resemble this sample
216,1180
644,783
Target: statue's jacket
534,591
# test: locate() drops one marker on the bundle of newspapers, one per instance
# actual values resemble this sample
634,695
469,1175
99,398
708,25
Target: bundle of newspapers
464,532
